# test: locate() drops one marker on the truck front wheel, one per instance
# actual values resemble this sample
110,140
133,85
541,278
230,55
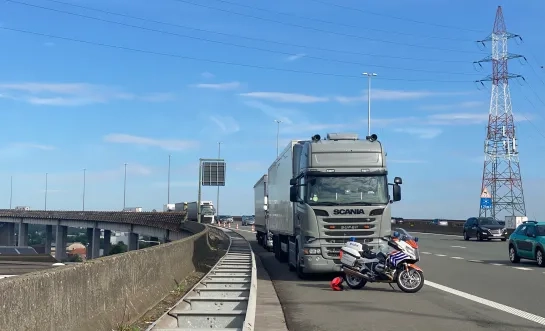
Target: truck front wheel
299,269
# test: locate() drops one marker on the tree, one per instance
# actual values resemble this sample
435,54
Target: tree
118,248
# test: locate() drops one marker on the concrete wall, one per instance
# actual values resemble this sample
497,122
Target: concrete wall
103,293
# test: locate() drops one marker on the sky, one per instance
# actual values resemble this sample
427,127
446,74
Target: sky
97,84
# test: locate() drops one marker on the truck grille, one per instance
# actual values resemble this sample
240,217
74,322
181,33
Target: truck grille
338,230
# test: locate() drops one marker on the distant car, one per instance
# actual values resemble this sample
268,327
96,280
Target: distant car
225,219
484,228
248,220
528,242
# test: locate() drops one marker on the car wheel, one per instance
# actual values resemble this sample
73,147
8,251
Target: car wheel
466,237
479,236
540,258
513,256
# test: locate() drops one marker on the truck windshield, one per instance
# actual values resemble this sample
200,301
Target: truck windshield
207,210
347,190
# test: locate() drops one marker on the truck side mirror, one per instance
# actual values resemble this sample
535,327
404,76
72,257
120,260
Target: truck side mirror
294,194
396,192
398,180
293,181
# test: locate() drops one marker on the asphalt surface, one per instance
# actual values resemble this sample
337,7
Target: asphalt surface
446,260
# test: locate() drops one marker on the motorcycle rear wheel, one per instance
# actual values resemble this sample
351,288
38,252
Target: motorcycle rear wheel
402,276
354,282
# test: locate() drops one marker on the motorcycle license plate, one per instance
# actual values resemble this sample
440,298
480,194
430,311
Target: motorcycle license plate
348,260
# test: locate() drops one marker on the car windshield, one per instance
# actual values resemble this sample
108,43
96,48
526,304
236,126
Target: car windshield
540,230
488,221
347,190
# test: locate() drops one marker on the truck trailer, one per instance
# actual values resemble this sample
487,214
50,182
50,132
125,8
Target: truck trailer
321,193
207,211
263,235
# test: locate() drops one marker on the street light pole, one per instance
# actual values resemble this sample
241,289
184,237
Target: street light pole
369,75
277,134
218,193
168,184
45,199
83,197
10,191
125,187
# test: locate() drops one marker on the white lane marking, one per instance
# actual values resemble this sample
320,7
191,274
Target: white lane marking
427,253
457,258
522,268
457,246
440,255
437,234
497,264
517,312
476,261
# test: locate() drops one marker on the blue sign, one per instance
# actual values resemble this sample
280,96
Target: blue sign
486,203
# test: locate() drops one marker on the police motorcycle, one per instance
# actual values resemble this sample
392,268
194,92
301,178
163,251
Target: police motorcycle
361,265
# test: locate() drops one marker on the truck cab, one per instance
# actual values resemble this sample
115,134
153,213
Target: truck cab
339,190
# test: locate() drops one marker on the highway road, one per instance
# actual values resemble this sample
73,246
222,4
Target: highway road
472,287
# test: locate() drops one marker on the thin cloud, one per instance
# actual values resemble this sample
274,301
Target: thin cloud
281,114
459,105
207,75
295,57
407,161
33,146
72,94
227,124
442,119
381,94
285,97
219,86
422,133
166,144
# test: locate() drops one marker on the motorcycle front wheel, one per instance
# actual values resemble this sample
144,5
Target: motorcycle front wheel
410,281
354,282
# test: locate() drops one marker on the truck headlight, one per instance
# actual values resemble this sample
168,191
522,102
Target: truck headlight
312,251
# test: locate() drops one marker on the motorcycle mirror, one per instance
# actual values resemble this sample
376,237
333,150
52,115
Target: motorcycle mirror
416,239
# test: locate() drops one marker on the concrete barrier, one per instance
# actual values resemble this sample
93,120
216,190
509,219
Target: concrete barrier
104,293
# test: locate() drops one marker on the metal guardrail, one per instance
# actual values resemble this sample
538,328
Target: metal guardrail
225,299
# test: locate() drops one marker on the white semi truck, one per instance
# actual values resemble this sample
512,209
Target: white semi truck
320,193
207,211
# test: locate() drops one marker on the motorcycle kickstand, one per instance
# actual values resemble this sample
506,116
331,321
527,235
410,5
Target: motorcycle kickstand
391,286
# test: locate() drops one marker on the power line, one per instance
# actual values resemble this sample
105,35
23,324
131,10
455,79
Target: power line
258,39
322,30
222,62
340,24
236,45
396,17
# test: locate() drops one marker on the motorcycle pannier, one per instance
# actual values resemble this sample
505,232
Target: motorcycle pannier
349,256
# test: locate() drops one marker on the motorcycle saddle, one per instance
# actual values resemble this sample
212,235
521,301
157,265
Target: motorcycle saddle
369,254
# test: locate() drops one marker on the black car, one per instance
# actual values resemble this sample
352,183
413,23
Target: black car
484,228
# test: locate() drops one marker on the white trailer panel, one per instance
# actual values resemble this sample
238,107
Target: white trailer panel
260,194
278,185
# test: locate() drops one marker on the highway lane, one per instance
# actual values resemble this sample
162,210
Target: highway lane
312,305
483,269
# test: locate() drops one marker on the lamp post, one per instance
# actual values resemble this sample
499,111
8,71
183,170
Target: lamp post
125,187
45,198
369,75
168,183
83,197
277,134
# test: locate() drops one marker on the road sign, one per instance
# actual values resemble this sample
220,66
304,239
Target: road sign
486,203
213,173
485,194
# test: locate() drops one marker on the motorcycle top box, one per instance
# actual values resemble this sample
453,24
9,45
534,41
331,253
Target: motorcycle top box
350,253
